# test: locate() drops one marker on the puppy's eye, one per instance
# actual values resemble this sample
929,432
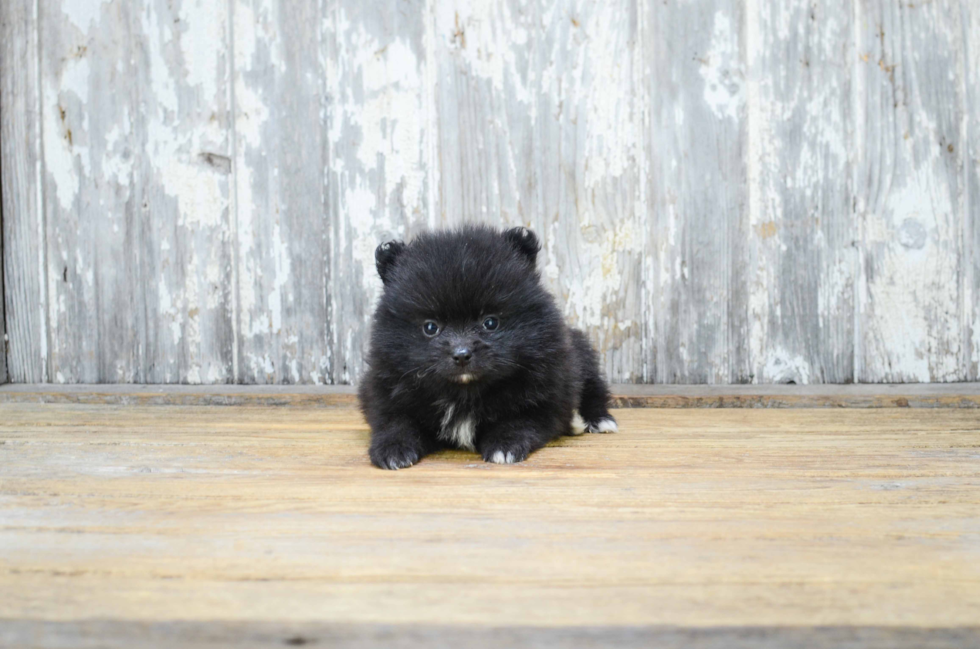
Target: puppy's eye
430,328
491,323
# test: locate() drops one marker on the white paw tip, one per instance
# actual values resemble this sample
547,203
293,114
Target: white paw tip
394,464
499,457
578,424
605,425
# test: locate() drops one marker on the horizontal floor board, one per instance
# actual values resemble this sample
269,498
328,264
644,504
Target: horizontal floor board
911,395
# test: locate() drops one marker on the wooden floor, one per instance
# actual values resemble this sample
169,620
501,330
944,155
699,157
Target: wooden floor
266,526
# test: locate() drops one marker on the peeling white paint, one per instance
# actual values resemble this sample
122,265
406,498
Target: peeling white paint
602,275
555,109
82,13
722,69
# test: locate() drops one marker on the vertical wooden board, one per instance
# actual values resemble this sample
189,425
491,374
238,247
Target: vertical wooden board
183,167
697,225
801,251
538,127
909,191
3,323
3,319
382,169
90,112
281,157
20,174
488,68
971,223
589,165
135,143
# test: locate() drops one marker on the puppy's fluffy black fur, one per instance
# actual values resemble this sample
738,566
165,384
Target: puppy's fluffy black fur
468,350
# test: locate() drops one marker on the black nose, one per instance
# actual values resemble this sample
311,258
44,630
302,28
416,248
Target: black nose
462,355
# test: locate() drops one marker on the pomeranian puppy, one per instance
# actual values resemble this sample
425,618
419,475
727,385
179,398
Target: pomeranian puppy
468,350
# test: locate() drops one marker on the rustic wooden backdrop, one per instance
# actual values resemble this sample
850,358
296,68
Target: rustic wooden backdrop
727,190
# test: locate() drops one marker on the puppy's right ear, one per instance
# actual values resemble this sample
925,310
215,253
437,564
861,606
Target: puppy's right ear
385,256
525,241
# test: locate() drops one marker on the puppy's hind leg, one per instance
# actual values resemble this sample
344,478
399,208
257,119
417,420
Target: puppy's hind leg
593,410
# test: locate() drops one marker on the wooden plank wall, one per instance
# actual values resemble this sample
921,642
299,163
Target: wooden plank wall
728,191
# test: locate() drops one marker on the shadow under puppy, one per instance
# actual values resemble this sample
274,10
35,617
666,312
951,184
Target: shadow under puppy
468,350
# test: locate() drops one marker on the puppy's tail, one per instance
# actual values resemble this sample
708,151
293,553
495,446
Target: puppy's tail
593,409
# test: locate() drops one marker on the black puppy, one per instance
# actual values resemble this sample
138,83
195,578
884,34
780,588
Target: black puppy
468,350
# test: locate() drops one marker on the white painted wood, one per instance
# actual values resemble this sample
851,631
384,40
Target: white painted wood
135,110
909,191
538,126
382,155
93,199
801,256
184,155
20,171
970,16
280,174
697,216
727,191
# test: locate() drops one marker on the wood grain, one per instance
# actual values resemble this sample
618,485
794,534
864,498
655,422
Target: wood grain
911,395
111,634
694,80
909,191
184,159
971,222
93,193
136,110
283,230
383,168
727,192
801,255
688,518
538,127
21,163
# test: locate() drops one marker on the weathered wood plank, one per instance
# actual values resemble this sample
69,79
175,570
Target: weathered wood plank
697,225
382,155
909,189
183,170
93,200
698,174
538,127
136,114
20,174
283,228
113,634
971,223
590,164
801,252
3,322
782,518
874,395
487,61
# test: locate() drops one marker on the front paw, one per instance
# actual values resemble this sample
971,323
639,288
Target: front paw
505,453
394,455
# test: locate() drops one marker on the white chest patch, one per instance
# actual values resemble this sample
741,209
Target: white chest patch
460,433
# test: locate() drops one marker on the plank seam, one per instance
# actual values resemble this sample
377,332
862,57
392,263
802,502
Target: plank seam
858,274
233,196
641,118
967,251
4,344
40,172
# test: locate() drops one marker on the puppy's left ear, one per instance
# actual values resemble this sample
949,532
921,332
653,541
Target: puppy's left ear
385,256
525,241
